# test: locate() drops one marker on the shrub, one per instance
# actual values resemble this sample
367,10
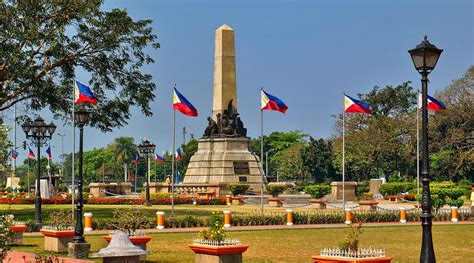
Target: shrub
238,189
395,188
129,220
275,190
216,230
455,202
362,190
6,236
317,191
60,219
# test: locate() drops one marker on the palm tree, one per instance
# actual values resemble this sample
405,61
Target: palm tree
125,151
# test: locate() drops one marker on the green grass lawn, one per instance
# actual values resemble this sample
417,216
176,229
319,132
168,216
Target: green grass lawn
453,243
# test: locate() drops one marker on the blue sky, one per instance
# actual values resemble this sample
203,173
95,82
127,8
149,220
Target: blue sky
305,52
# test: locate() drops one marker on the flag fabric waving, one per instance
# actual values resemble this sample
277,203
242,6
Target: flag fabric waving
83,94
31,154
48,151
159,159
179,157
137,158
270,102
14,154
432,103
181,104
356,106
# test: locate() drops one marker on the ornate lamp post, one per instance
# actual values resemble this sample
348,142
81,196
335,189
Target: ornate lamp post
39,133
81,118
425,56
147,148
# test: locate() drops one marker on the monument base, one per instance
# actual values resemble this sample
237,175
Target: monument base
223,161
349,189
102,189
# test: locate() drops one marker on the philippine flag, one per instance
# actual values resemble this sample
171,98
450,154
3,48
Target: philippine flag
183,105
159,159
14,154
31,154
83,94
48,151
137,158
432,103
356,106
179,157
270,102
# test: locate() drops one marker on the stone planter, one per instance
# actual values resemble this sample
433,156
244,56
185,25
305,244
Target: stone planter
18,234
140,241
275,201
217,252
237,200
368,205
344,256
57,240
320,203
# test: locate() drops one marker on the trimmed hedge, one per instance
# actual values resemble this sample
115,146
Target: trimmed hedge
317,191
395,188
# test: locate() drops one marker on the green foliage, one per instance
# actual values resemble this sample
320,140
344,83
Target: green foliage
216,228
352,239
276,189
395,188
60,219
455,202
290,162
187,151
45,43
444,193
318,160
6,236
129,220
362,190
317,191
238,189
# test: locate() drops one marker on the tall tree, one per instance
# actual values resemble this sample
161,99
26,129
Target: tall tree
290,162
125,152
318,160
187,151
44,43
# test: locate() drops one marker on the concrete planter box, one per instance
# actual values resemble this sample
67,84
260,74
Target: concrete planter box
218,254
345,256
237,200
368,205
57,240
326,259
275,201
318,203
18,234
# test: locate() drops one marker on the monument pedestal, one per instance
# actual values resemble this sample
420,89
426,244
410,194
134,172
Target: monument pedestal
349,189
223,161
103,189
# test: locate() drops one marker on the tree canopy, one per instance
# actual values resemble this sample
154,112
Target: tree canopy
44,44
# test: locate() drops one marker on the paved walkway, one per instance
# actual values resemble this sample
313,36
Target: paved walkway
23,257
270,227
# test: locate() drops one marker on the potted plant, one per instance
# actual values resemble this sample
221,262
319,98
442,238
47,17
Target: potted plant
212,244
59,232
349,250
275,190
17,227
318,191
237,190
6,236
130,220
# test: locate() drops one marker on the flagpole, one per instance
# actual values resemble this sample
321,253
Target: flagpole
136,176
261,156
173,168
417,148
73,148
29,190
343,161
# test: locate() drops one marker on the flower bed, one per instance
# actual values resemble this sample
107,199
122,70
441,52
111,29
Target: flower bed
116,201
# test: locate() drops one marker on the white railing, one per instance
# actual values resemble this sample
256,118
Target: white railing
359,253
56,228
19,223
214,243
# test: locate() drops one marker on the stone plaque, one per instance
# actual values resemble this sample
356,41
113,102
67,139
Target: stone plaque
241,168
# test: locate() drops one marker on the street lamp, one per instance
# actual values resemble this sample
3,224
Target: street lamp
81,117
39,133
425,56
147,148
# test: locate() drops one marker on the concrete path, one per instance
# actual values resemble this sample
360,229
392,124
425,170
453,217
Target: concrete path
269,227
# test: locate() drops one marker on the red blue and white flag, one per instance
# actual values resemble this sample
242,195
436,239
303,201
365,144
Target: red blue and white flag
356,106
15,154
432,103
31,154
48,151
83,94
183,105
137,158
179,157
159,159
270,102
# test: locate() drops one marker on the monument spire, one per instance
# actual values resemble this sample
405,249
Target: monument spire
225,89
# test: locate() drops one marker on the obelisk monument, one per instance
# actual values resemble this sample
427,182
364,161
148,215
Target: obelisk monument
224,71
223,154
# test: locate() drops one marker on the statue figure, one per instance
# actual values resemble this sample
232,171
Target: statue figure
240,130
226,127
211,129
228,124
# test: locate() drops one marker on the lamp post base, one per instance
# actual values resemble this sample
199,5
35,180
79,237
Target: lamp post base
78,250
